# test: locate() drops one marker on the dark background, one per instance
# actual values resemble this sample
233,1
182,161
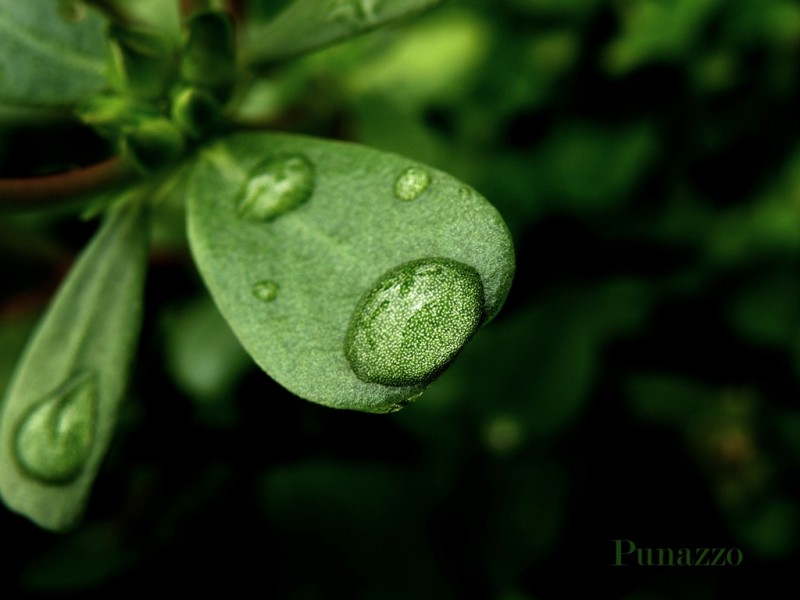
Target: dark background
641,382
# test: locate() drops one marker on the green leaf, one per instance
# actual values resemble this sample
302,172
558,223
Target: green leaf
552,353
765,310
787,425
203,356
434,60
590,169
666,398
47,59
61,408
145,59
13,335
79,563
305,243
328,499
526,516
209,53
306,25
771,531
657,31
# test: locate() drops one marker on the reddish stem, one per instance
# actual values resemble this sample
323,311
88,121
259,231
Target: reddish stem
44,190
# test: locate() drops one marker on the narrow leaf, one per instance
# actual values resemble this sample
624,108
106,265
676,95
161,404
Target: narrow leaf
47,58
310,24
351,276
59,414
145,59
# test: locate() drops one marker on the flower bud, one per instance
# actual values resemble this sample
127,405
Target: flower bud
154,145
196,112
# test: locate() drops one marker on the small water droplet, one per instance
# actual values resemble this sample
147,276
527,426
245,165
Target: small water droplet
411,183
464,192
401,404
54,440
413,321
266,291
277,185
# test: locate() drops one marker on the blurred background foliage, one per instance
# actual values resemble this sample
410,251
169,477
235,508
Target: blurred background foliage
641,382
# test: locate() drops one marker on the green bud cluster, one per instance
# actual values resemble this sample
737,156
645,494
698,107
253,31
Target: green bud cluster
167,97
209,54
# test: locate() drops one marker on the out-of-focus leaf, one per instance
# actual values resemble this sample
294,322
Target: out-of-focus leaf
589,169
527,517
767,309
357,518
334,499
771,532
654,31
310,24
145,60
203,355
13,335
667,398
62,404
552,353
78,563
432,62
384,125
154,14
776,22
788,427
766,229
45,58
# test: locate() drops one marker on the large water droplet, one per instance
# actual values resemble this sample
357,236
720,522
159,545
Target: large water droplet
411,183
54,440
266,291
411,324
277,185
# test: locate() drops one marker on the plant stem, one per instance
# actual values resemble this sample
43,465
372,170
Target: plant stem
46,190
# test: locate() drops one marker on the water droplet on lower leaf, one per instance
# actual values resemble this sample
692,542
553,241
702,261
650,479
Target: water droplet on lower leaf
54,440
277,185
411,324
411,183
266,291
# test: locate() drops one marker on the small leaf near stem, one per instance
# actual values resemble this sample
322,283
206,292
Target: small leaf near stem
62,404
